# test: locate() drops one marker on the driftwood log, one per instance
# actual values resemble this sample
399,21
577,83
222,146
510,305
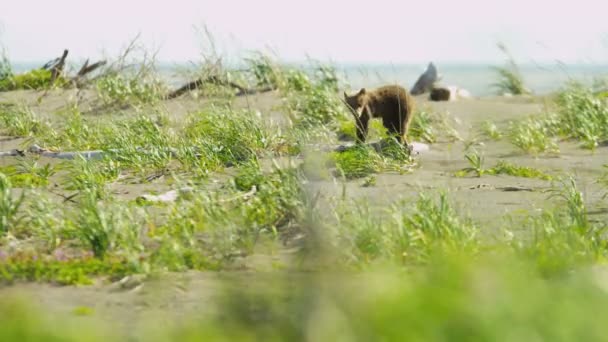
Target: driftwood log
426,81
87,69
95,154
56,66
173,195
197,84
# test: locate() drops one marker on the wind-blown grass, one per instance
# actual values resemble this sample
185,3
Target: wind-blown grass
582,115
510,80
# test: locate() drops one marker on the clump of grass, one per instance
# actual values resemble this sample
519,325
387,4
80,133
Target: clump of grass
20,121
232,137
35,80
506,168
501,168
358,161
489,130
89,176
510,80
142,144
569,193
582,115
45,221
28,173
265,71
393,152
476,161
424,127
9,205
104,228
61,269
97,229
249,175
534,136
407,234
40,175
209,232
564,239
116,89
363,160
315,107
76,132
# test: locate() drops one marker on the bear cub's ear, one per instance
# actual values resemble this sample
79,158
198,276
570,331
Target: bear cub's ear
362,91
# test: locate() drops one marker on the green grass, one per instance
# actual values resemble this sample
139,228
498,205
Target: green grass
121,90
406,267
9,205
408,234
362,160
60,269
502,167
534,136
32,80
510,80
582,115
579,113
490,131
476,161
20,121
357,162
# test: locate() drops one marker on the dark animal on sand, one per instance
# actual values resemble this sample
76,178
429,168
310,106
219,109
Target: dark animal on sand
392,103
440,94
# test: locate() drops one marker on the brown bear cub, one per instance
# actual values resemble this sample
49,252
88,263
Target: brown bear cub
392,103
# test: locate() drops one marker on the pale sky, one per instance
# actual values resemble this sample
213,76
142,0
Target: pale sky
377,31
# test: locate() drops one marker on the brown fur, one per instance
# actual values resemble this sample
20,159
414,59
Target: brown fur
392,103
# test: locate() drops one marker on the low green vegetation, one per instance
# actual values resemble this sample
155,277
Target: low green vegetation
506,168
32,80
362,160
582,115
490,131
121,90
20,121
476,167
510,80
408,234
578,114
246,188
534,136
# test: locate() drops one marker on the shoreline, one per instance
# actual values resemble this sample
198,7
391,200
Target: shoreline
478,80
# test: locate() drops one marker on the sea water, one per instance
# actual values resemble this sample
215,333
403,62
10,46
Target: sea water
478,79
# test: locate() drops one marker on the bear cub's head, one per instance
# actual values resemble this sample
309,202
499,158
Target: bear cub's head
356,101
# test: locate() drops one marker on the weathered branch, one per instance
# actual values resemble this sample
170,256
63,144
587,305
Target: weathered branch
197,84
173,195
57,69
86,68
95,154
169,196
